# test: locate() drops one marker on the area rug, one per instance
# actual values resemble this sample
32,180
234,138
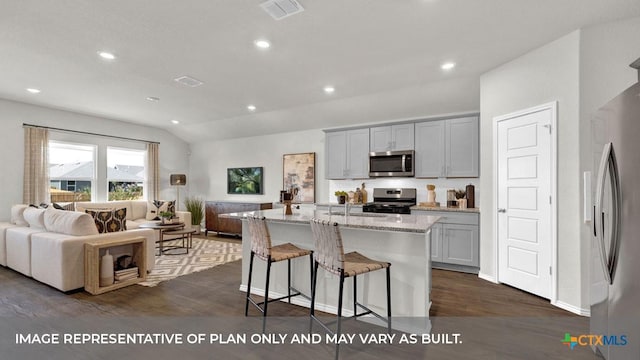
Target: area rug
204,255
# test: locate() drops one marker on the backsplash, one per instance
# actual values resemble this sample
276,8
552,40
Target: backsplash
442,185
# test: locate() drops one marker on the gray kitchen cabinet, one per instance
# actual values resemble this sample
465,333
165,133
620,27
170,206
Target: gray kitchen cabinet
462,150
347,154
447,148
460,245
429,156
391,138
455,240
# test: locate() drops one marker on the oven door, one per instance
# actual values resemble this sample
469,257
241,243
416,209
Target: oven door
373,208
391,163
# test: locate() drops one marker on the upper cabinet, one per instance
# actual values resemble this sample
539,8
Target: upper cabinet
447,148
347,154
391,138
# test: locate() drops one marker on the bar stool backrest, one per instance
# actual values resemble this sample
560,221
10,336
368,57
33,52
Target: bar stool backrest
329,252
260,238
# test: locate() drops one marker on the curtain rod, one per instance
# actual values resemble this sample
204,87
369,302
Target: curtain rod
88,133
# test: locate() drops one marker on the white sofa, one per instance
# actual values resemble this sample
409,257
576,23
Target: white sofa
136,211
48,245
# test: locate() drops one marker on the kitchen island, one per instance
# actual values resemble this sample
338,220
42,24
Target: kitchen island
402,240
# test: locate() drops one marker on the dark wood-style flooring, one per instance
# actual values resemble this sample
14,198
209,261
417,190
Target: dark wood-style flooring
495,321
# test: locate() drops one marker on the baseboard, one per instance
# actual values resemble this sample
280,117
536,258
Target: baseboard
571,308
486,277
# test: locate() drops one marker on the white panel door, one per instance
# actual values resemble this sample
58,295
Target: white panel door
524,201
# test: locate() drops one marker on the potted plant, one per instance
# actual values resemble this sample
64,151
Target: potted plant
166,217
342,196
195,206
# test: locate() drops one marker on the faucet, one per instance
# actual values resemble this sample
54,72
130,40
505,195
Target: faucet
347,208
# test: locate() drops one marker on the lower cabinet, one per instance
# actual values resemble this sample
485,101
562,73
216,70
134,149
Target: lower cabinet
228,226
455,241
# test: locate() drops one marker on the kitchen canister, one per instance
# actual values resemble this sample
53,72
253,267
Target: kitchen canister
471,196
106,269
451,198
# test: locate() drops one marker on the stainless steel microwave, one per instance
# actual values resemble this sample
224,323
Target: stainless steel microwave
391,163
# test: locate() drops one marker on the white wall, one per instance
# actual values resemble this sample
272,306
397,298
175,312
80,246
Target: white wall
549,73
209,162
606,51
173,151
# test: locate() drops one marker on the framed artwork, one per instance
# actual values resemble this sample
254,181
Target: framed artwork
247,180
299,176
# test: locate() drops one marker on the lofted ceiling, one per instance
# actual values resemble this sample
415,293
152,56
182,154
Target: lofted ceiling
382,56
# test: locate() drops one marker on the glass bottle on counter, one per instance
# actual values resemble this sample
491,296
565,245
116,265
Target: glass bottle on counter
451,198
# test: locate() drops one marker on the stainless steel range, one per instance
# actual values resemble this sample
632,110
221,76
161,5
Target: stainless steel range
390,200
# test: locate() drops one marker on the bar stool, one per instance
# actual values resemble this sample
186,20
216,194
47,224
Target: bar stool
329,253
261,247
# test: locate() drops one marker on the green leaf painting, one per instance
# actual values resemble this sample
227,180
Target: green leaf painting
244,180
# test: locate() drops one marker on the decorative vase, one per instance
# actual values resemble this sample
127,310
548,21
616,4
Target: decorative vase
106,269
462,203
342,199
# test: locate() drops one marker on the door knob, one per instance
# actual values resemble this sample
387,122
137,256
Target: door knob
502,210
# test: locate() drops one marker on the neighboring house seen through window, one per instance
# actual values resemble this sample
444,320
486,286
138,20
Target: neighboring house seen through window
87,172
71,171
125,173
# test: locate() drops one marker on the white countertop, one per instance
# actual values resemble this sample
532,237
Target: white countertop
453,209
338,205
368,221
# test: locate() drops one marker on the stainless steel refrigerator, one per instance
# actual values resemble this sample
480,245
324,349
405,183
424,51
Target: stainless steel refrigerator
615,251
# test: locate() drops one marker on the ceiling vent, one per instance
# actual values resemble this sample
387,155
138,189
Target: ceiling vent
280,9
188,81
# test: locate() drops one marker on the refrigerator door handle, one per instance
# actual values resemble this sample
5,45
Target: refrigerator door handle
608,165
595,232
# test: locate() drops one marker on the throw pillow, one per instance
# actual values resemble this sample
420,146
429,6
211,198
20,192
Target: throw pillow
69,222
34,217
17,215
155,207
67,207
109,220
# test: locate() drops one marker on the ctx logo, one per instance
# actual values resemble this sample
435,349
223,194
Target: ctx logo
598,340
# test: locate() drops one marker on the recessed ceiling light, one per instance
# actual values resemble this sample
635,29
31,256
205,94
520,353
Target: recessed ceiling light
106,55
33,91
175,122
448,66
153,98
329,89
262,44
251,107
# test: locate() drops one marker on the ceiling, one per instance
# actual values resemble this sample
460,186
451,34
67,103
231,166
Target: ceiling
383,57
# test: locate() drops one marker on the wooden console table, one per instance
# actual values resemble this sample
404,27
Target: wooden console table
92,254
228,226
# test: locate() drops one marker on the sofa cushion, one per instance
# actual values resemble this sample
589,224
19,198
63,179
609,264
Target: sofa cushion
3,243
69,222
138,210
58,259
18,242
17,215
34,217
109,220
155,207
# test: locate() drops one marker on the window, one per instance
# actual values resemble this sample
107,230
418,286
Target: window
125,173
71,171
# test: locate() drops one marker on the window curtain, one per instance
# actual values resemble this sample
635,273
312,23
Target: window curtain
36,184
153,171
